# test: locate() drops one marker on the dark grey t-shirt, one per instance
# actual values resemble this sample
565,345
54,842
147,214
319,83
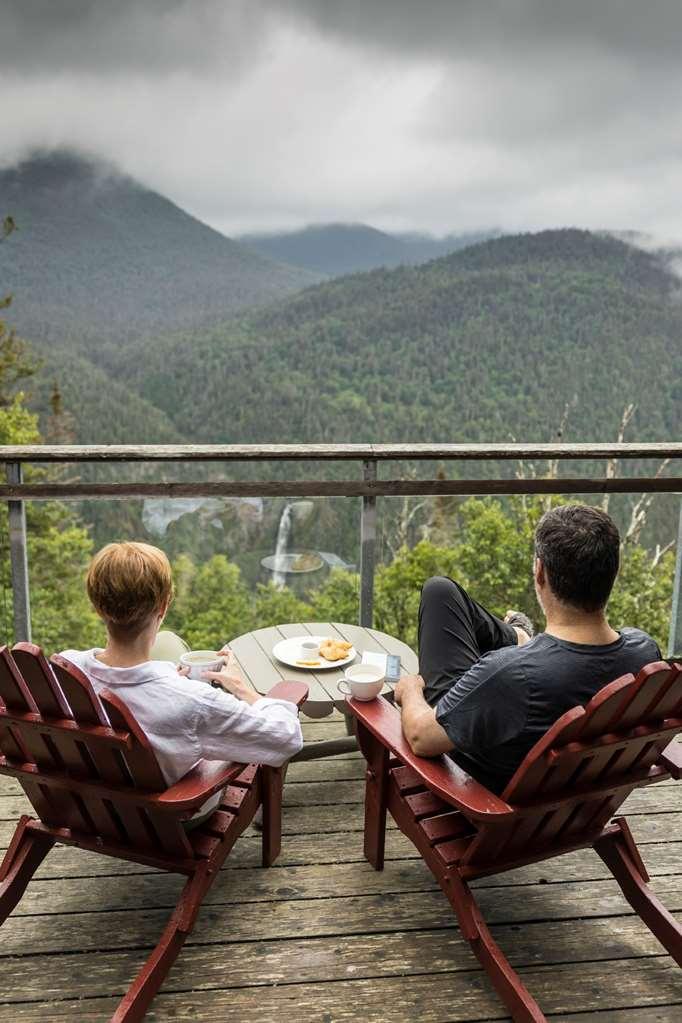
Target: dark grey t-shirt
495,713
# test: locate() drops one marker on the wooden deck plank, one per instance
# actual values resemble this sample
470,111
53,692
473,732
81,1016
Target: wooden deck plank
246,964
429,998
324,882
115,919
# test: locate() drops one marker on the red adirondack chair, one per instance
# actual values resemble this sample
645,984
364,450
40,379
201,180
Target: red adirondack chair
94,781
561,798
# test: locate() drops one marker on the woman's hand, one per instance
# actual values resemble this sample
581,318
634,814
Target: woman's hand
231,684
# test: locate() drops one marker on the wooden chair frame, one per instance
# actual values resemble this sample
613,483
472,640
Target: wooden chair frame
562,798
91,775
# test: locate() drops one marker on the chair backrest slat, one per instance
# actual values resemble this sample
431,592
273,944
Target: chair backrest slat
13,690
77,688
15,697
669,704
40,680
606,708
652,685
141,760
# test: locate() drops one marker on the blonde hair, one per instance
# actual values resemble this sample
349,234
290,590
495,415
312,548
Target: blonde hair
127,584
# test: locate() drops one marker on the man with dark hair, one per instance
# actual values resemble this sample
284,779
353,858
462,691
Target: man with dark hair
487,689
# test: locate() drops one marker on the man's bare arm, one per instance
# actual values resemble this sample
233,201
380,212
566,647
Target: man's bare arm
422,731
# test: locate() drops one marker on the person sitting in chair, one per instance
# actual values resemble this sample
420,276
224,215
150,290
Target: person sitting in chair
488,689
130,587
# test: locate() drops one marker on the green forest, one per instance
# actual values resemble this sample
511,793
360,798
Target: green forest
513,338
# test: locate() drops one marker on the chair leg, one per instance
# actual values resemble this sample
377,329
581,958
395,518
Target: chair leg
619,852
26,852
509,986
376,796
141,992
272,781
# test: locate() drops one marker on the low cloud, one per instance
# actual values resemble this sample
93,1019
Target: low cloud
443,115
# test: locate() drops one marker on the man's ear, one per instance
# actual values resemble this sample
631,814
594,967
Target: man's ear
539,572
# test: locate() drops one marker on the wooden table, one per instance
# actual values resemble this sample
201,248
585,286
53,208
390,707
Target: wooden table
253,652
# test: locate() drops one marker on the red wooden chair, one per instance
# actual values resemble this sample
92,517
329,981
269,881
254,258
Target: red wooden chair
94,781
561,798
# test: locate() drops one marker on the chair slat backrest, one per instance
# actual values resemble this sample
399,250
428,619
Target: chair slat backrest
15,697
578,774
40,681
55,724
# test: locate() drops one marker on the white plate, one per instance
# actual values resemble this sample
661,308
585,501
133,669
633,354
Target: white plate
288,651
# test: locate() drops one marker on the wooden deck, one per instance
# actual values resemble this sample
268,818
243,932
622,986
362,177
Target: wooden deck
321,937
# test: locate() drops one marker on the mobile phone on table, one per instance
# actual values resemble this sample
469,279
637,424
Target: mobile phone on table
392,668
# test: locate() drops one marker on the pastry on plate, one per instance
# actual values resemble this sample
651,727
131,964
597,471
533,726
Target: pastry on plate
335,649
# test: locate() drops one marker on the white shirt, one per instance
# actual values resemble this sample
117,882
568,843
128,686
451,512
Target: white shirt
186,721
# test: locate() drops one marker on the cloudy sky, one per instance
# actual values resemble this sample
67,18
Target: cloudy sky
428,114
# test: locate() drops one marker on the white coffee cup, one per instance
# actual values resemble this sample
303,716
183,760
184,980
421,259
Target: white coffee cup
199,661
362,681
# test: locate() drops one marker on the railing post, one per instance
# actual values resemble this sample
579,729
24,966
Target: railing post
675,637
368,532
18,558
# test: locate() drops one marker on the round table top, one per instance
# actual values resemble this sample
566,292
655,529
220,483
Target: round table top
253,653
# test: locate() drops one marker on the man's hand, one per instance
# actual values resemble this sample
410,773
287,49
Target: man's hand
408,684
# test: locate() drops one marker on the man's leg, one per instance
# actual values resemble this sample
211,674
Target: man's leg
454,632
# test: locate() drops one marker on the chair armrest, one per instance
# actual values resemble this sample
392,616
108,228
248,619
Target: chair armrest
205,779
671,758
440,774
293,692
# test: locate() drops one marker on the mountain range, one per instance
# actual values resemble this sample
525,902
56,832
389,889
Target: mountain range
338,249
157,328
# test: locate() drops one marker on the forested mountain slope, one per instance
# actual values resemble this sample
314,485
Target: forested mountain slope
337,249
99,258
489,342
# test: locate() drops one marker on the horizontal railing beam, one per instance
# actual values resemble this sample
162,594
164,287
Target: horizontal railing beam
343,488
330,452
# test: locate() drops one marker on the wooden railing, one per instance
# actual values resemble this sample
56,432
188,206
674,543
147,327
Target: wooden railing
368,487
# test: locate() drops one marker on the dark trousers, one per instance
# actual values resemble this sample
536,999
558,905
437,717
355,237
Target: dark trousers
454,632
